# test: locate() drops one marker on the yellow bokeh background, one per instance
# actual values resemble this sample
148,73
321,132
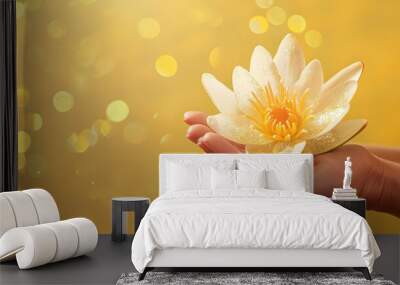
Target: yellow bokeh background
128,70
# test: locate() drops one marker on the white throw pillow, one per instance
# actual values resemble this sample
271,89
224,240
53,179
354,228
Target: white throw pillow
188,174
281,174
251,178
237,179
182,178
223,179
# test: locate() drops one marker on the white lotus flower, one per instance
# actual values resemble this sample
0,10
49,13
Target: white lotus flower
284,105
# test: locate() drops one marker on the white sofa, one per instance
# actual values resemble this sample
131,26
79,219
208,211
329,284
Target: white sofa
31,230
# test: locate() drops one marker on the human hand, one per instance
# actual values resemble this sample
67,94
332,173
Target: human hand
374,177
203,136
328,169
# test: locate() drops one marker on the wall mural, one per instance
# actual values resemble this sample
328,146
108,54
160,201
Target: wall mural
103,87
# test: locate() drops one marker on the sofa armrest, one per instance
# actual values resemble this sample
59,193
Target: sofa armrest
40,244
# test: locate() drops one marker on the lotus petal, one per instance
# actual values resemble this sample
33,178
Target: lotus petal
297,148
338,136
311,79
276,147
222,97
349,73
263,69
246,89
237,129
338,96
323,122
289,60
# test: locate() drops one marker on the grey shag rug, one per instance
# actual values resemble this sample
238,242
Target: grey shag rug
232,278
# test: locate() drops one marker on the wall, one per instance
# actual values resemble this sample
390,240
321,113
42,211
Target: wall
96,108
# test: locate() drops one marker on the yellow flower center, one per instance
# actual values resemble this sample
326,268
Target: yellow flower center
282,117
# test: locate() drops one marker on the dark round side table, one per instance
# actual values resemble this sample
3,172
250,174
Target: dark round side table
121,205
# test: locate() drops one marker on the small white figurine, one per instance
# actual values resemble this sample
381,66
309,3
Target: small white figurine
347,174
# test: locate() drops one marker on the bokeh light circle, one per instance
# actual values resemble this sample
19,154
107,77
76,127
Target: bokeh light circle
148,28
166,65
276,16
135,133
63,101
313,38
102,127
24,141
258,24
21,161
20,10
90,135
297,23
78,142
215,57
22,97
264,3
37,121
117,111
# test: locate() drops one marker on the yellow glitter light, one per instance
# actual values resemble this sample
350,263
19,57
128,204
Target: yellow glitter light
276,16
117,111
63,101
313,38
148,28
264,3
166,65
258,24
297,23
24,141
215,57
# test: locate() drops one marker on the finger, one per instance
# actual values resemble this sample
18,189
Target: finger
205,148
195,117
389,153
217,144
195,132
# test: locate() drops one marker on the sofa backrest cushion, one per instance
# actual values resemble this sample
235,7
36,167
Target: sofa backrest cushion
26,208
